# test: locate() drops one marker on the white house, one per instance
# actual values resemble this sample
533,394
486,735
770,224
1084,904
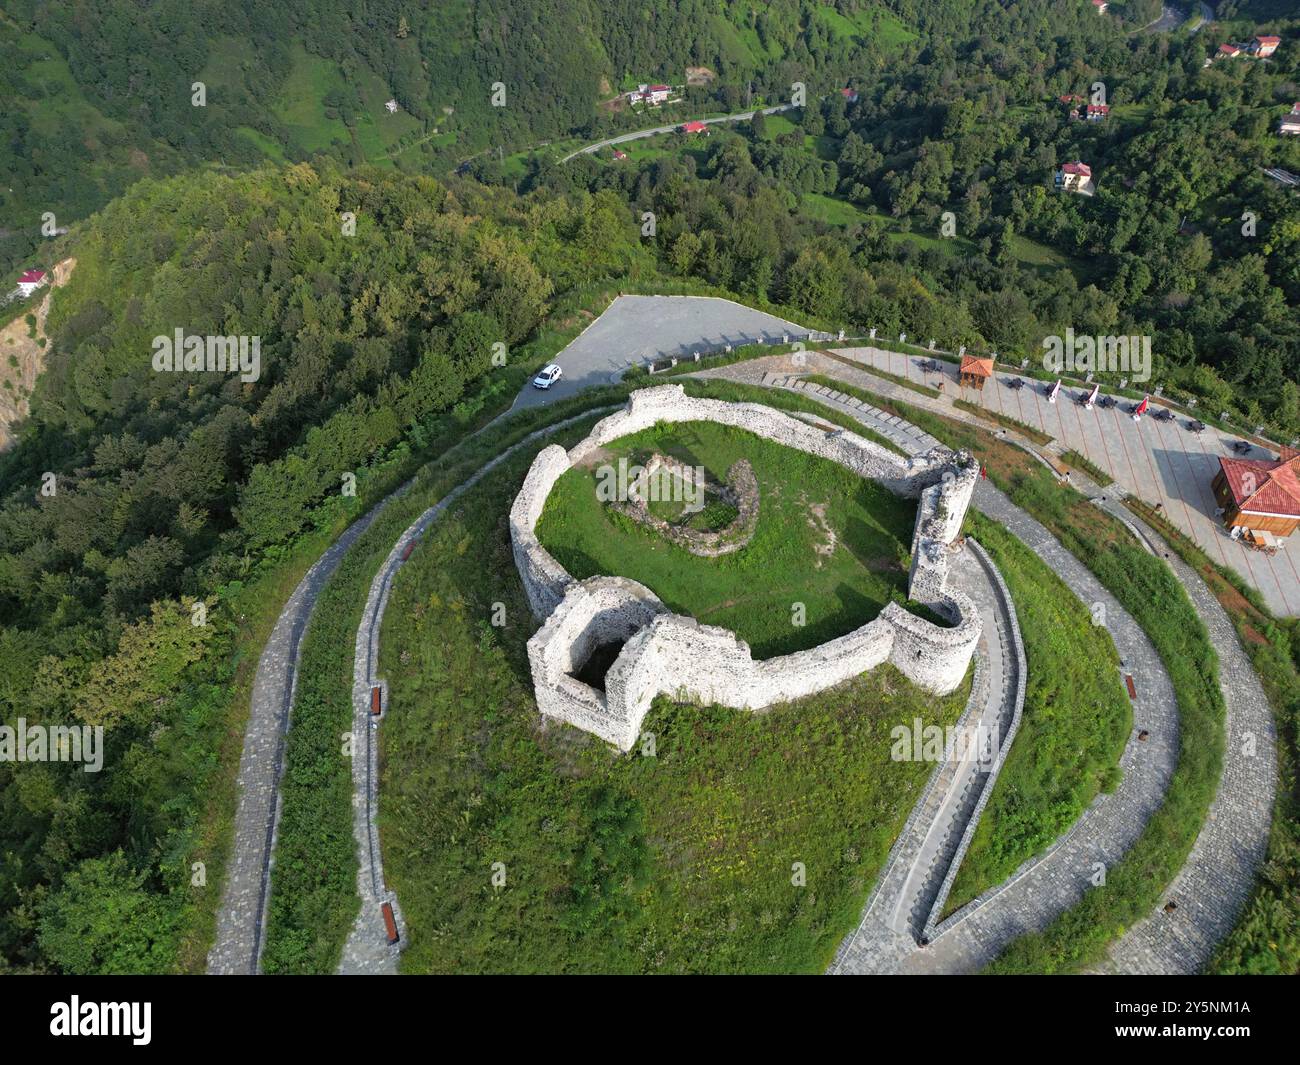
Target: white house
31,281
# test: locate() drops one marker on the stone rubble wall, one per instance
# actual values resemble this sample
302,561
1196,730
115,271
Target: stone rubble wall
740,490
665,653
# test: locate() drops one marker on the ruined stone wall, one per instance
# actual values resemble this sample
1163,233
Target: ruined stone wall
665,653
544,578
669,403
594,612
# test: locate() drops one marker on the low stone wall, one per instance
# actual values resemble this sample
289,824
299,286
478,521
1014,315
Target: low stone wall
740,490
665,653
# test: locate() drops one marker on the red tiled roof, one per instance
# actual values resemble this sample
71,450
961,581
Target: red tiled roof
31,277
1099,109
973,364
694,127
1082,169
1271,486
1229,49
1269,40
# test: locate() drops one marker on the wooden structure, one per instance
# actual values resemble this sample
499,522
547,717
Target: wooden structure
390,925
974,371
1260,497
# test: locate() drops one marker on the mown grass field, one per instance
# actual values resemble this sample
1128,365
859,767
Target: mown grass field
825,538
684,861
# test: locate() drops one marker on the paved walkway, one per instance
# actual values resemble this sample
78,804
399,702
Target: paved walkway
1217,877
918,873
1160,462
237,948
367,950
1215,881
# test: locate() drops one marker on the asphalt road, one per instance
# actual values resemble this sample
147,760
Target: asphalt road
625,137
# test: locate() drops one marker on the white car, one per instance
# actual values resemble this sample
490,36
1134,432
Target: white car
549,375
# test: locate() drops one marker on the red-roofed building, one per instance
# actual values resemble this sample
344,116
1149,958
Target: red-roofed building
695,127
1230,51
974,371
31,281
1075,177
619,155
850,94
650,94
1260,496
1101,6
1264,46
1290,124
1098,112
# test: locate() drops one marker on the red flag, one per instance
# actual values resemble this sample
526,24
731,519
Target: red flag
1142,407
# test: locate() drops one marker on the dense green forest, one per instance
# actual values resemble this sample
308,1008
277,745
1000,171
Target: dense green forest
180,488
175,490
977,129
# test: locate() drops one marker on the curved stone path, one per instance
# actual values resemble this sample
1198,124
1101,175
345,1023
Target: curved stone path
918,873
1210,890
241,915
1051,882
1215,881
367,950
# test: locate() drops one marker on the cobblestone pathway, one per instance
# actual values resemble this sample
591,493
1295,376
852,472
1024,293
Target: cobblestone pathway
367,950
240,919
1212,886
1216,879
918,872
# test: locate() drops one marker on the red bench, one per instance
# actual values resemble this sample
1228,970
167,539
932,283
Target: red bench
376,702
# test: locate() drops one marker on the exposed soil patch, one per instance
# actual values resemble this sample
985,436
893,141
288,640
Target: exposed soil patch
817,520
22,356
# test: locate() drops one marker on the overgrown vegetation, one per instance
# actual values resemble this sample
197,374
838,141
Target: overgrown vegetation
683,861
1086,465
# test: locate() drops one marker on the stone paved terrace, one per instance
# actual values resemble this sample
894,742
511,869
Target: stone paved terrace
1160,462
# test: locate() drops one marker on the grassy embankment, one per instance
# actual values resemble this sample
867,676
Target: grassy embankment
1150,592
684,861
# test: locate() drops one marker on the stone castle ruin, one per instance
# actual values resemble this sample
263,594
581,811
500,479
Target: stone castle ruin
666,653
